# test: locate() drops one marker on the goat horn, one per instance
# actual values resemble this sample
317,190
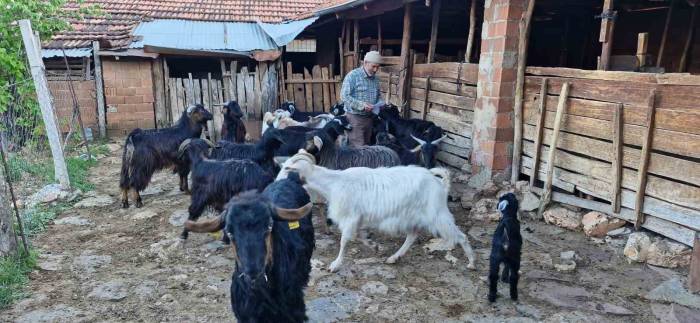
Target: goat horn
437,141
293,214
184,145
210,143
417,149
421,142
209,225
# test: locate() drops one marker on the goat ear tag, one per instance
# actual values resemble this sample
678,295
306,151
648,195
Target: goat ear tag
293,225
502,205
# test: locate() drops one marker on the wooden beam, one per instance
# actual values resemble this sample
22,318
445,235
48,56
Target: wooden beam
694,272
660,55
159,91
617,159
426,103
644,160
642,44
523,38
379,35
169,104
607,29
561,107
342,56
689,39
404,77
356,42
434,31
538,134
472,28
99,90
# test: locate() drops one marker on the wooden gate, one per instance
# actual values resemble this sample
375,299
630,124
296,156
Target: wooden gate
313,91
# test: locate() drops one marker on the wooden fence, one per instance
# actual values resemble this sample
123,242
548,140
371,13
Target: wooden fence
255,92
312,91
587,156
443,93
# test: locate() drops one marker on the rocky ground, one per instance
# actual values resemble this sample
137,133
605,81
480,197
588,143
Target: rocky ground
103,263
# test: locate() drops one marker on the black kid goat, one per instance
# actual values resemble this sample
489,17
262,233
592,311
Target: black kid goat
233,129
214,182
147,151
505,248
414,134
272,238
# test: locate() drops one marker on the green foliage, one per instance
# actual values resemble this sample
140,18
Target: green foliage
36,219
78,173
13,276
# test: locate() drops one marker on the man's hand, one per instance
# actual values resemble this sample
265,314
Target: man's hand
368,107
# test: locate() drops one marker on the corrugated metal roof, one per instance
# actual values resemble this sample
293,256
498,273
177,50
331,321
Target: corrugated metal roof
210,35
70,52
284,33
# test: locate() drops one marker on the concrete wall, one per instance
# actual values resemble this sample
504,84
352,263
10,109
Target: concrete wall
128,95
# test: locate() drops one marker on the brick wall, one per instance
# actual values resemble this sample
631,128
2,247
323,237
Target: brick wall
493,113
63,101
128,95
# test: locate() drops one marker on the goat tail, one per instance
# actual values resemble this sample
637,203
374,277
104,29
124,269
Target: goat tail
444,176
127,166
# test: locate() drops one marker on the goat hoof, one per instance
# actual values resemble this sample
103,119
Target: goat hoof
125,205
335,265
471,265
139,204
492,298
392,260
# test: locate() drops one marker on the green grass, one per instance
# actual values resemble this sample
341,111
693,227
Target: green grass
13,276
35,220
78,173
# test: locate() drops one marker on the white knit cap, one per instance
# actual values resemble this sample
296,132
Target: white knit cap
373,57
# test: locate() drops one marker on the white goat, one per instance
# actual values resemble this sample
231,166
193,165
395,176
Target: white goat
395,200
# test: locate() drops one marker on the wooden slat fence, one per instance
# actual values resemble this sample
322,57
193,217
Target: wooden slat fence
586,157
314,90
448,102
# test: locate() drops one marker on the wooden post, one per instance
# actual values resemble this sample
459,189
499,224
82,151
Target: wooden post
607,28
642,42
170,105
356,41
379,35
644,160
688,40
542,110
434,31
617,159
159,91
665,34
342,56
33,48
426,104
234,89
472,28
523,38
404,77
694,273
225,81
561,107
388,89
99,90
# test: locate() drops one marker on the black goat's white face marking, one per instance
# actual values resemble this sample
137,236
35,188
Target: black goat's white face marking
502,205
191,109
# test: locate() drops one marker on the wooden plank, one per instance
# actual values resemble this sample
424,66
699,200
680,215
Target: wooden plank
642,45
99,91
181,96
299,95
172,100
342,55
326,88
607,29
189,90
308,91
197,89
250,94
561,106
290,87
688,40
448,87
207,102
234,80
225,78
644,161
472,28
694,272
334,94
450,159
356,41
628,93
523,39
448,122
240,92
665,33
426,103
318,81
538,132
592,75
379,35
404,90
669,141
317,89
675,120
460,102
658,187
435,21
159,91
467,73
338,86
542,176
261,71
617,160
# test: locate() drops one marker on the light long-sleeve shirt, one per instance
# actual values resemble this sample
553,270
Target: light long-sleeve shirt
359,88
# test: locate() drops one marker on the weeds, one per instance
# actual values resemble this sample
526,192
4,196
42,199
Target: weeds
13,276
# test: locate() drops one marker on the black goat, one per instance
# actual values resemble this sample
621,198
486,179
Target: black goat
295,137
408,157
233,128
214,182
261,152
338,109
323,146
298,115
147,151
273,248
505,248
414,134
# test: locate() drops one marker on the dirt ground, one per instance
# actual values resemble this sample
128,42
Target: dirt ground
104,263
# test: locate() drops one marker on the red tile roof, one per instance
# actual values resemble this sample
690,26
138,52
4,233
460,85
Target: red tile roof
122,16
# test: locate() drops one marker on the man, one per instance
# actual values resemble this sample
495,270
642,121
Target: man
360,94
